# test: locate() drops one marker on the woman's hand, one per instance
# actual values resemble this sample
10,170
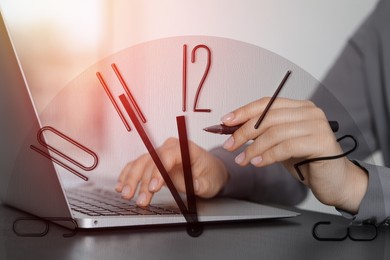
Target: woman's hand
293,131
209,173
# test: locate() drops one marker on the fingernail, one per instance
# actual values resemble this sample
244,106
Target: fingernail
228,143
126,191
196,185
118,187
228,117
256,160
240,158
141,199
153,184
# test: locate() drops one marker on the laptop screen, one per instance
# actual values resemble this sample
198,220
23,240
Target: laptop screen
26,178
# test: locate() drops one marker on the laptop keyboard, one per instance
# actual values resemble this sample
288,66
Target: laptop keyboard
100,202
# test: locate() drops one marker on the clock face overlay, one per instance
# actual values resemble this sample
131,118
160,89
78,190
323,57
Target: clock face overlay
88,132
200,77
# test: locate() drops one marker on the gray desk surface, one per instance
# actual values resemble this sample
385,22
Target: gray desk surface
276,239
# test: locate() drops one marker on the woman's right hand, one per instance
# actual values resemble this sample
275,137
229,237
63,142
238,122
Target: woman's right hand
209,173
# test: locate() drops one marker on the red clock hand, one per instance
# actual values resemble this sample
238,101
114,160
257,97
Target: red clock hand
194,229
274,96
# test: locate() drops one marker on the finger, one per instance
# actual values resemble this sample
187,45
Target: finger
122,177
255,108
135,172
294,148
170,157
297,145
204,187
131,167
128,169
210,175
153,181
144,195
156,181
274,117
271,137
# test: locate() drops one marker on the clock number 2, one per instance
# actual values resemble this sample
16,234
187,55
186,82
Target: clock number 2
200,86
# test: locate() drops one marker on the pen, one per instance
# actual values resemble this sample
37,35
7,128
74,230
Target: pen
228,130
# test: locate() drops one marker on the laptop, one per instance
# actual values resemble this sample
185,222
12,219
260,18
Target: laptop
30,182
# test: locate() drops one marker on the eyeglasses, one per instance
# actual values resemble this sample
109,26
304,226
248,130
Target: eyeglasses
19,225
356,232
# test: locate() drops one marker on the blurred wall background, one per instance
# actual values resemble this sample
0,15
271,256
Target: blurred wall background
56,40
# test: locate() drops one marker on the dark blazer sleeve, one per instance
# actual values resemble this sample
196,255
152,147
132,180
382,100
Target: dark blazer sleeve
356,92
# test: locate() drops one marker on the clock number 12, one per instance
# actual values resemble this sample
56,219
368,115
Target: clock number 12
200,86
